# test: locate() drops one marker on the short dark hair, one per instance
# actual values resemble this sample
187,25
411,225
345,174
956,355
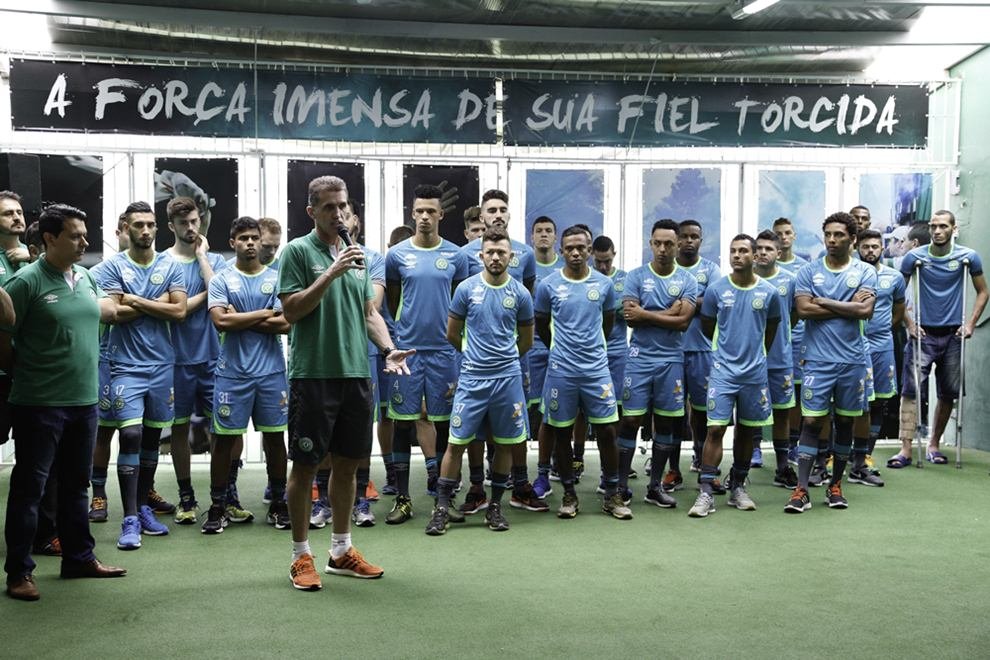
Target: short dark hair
271,225
952,217
860,206
494,194
867,234
399,234
137,207
689,223
602,244
52,220
244,223
574,230
665,223
427,191
586,229
322,183
768,235
919,232
121,221
782,221
745,237
494,234
843,218
32,235
10,194
545,220
472,214
180,207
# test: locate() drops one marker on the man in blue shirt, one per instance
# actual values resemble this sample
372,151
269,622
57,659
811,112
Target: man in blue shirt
421,274
793,262
578,303
658,304
834,295
491,321
944,324
740,315
780,375
250,372
888,313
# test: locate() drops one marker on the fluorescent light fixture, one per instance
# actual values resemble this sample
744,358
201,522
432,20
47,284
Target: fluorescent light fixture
751,8
24,31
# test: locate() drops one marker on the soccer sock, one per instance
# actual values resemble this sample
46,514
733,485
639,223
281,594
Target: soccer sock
339,544
401,463
520,477
878,410
477,475
445,490
543,470
235,465
500,482
627,448
707,477
680,427
794,438
218,495
300,548
389,468
739,473
323,485
127,477
663,447
148,462
99,481
401,442
780,447
432,471
363,474
185,487
278,489
443,437
842,447
807,453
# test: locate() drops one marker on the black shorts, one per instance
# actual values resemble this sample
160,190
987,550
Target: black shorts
329,415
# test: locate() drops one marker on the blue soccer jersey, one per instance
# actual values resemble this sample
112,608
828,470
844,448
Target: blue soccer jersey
705,272
490,315
617,340
426,276
98,275
794,265
247,353
891,289
835,340
195,340
522,266
145,340
655,293
542,271
741,316
941,282
576,308
780,356
374,261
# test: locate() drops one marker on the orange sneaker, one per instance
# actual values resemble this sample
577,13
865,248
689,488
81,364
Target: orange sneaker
303,574
316,492
371,493
354,565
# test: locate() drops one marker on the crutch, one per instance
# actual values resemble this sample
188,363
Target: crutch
916,365
962,369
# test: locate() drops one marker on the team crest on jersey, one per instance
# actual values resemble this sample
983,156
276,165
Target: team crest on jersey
886,282
508,302
397,398
118,404
455,421
554,405
268,287
224,411
674,290
808,394
711,404
305,444
514,262
620,286
701,278
441,263
359,273
594,294
157,278
852,281
782,290
758,303
953,264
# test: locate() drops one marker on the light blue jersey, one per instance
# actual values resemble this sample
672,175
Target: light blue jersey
941,282
98,275
145,340
576,308
835,340
195,340
779,356
542,271
705,272
374,261
490,315
247,353
522,266
891,289
617,340
426,276
655,293
794,265
741,316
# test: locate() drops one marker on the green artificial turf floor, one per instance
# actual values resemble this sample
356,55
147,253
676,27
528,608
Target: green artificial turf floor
904,572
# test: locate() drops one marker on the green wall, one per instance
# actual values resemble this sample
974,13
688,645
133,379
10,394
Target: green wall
972,209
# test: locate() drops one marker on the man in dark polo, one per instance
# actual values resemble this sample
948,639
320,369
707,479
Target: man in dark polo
51,347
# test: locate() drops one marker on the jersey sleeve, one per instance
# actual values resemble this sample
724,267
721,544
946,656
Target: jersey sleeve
630,289
459,302
529,266
217,262
392,273
975,264
541,304
176,280
869,281
690,291
376,269
524,313
217,295
369,291
109,278
907,264
775,311
802,283
608,300
291,275
462,271
900,290
709,306
20,295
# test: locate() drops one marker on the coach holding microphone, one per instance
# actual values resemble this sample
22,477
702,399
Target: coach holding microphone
327,297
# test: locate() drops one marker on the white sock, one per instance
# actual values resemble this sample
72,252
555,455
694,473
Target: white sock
339,545
300,548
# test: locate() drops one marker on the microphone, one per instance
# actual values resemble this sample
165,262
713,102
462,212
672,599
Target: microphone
345,236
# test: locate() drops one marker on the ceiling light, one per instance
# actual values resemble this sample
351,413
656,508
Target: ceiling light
751,8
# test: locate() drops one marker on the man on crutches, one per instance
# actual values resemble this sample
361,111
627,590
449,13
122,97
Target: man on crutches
938,327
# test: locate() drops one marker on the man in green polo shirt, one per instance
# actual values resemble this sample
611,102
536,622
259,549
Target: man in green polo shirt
52,350
326,295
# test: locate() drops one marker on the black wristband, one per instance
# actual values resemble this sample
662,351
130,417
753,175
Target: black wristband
387,351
